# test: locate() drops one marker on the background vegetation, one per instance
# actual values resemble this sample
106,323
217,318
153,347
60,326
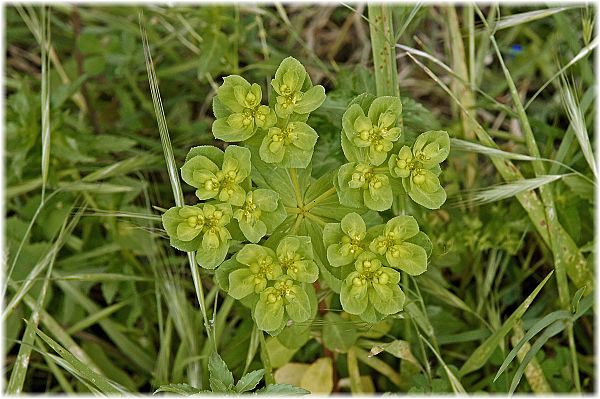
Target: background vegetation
95,299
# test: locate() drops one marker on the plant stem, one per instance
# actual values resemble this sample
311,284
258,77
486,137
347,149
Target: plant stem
297,191
320,199
384,52
264,355
354,372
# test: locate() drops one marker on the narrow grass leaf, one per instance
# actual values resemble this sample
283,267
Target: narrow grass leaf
507,190
121,168
526,17
536,328
45,97
41,265
484,351
454,381
582,53
469,146
129,348
172,167
94,318
19,372
575,115
79,368
551,331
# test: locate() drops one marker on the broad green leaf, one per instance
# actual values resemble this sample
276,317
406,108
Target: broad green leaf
219,371
269,315
249,381
338,334
179,389
291,373
318,378
279,354
299,308
281,390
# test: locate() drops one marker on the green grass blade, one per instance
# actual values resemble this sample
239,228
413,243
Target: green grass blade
19,372
454,381
60,334
384,52
536,328
56,371
584,51
76,367
551,331
122,167
577,267
526,17
502,191
469,146
95,318
172,168
484,351
131,349
45,97
41,265
575,115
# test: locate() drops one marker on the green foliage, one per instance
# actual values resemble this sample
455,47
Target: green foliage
108,304
274,278
222,382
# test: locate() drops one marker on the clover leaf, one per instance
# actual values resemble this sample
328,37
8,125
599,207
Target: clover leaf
394,245
220,180
238,110
260,267
419,168
371,284
260,214
295,92
345,241
360,184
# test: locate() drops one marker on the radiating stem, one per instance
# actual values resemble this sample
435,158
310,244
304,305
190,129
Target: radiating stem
297,190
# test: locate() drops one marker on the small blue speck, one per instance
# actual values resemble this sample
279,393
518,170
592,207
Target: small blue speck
516,48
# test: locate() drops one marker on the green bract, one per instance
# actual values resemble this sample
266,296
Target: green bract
289,145
203,229
371,290
295,92
284,298
360,184
262,267
399,253
376,131
295,256
216,178
419,168
238,110
260,214
345,240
